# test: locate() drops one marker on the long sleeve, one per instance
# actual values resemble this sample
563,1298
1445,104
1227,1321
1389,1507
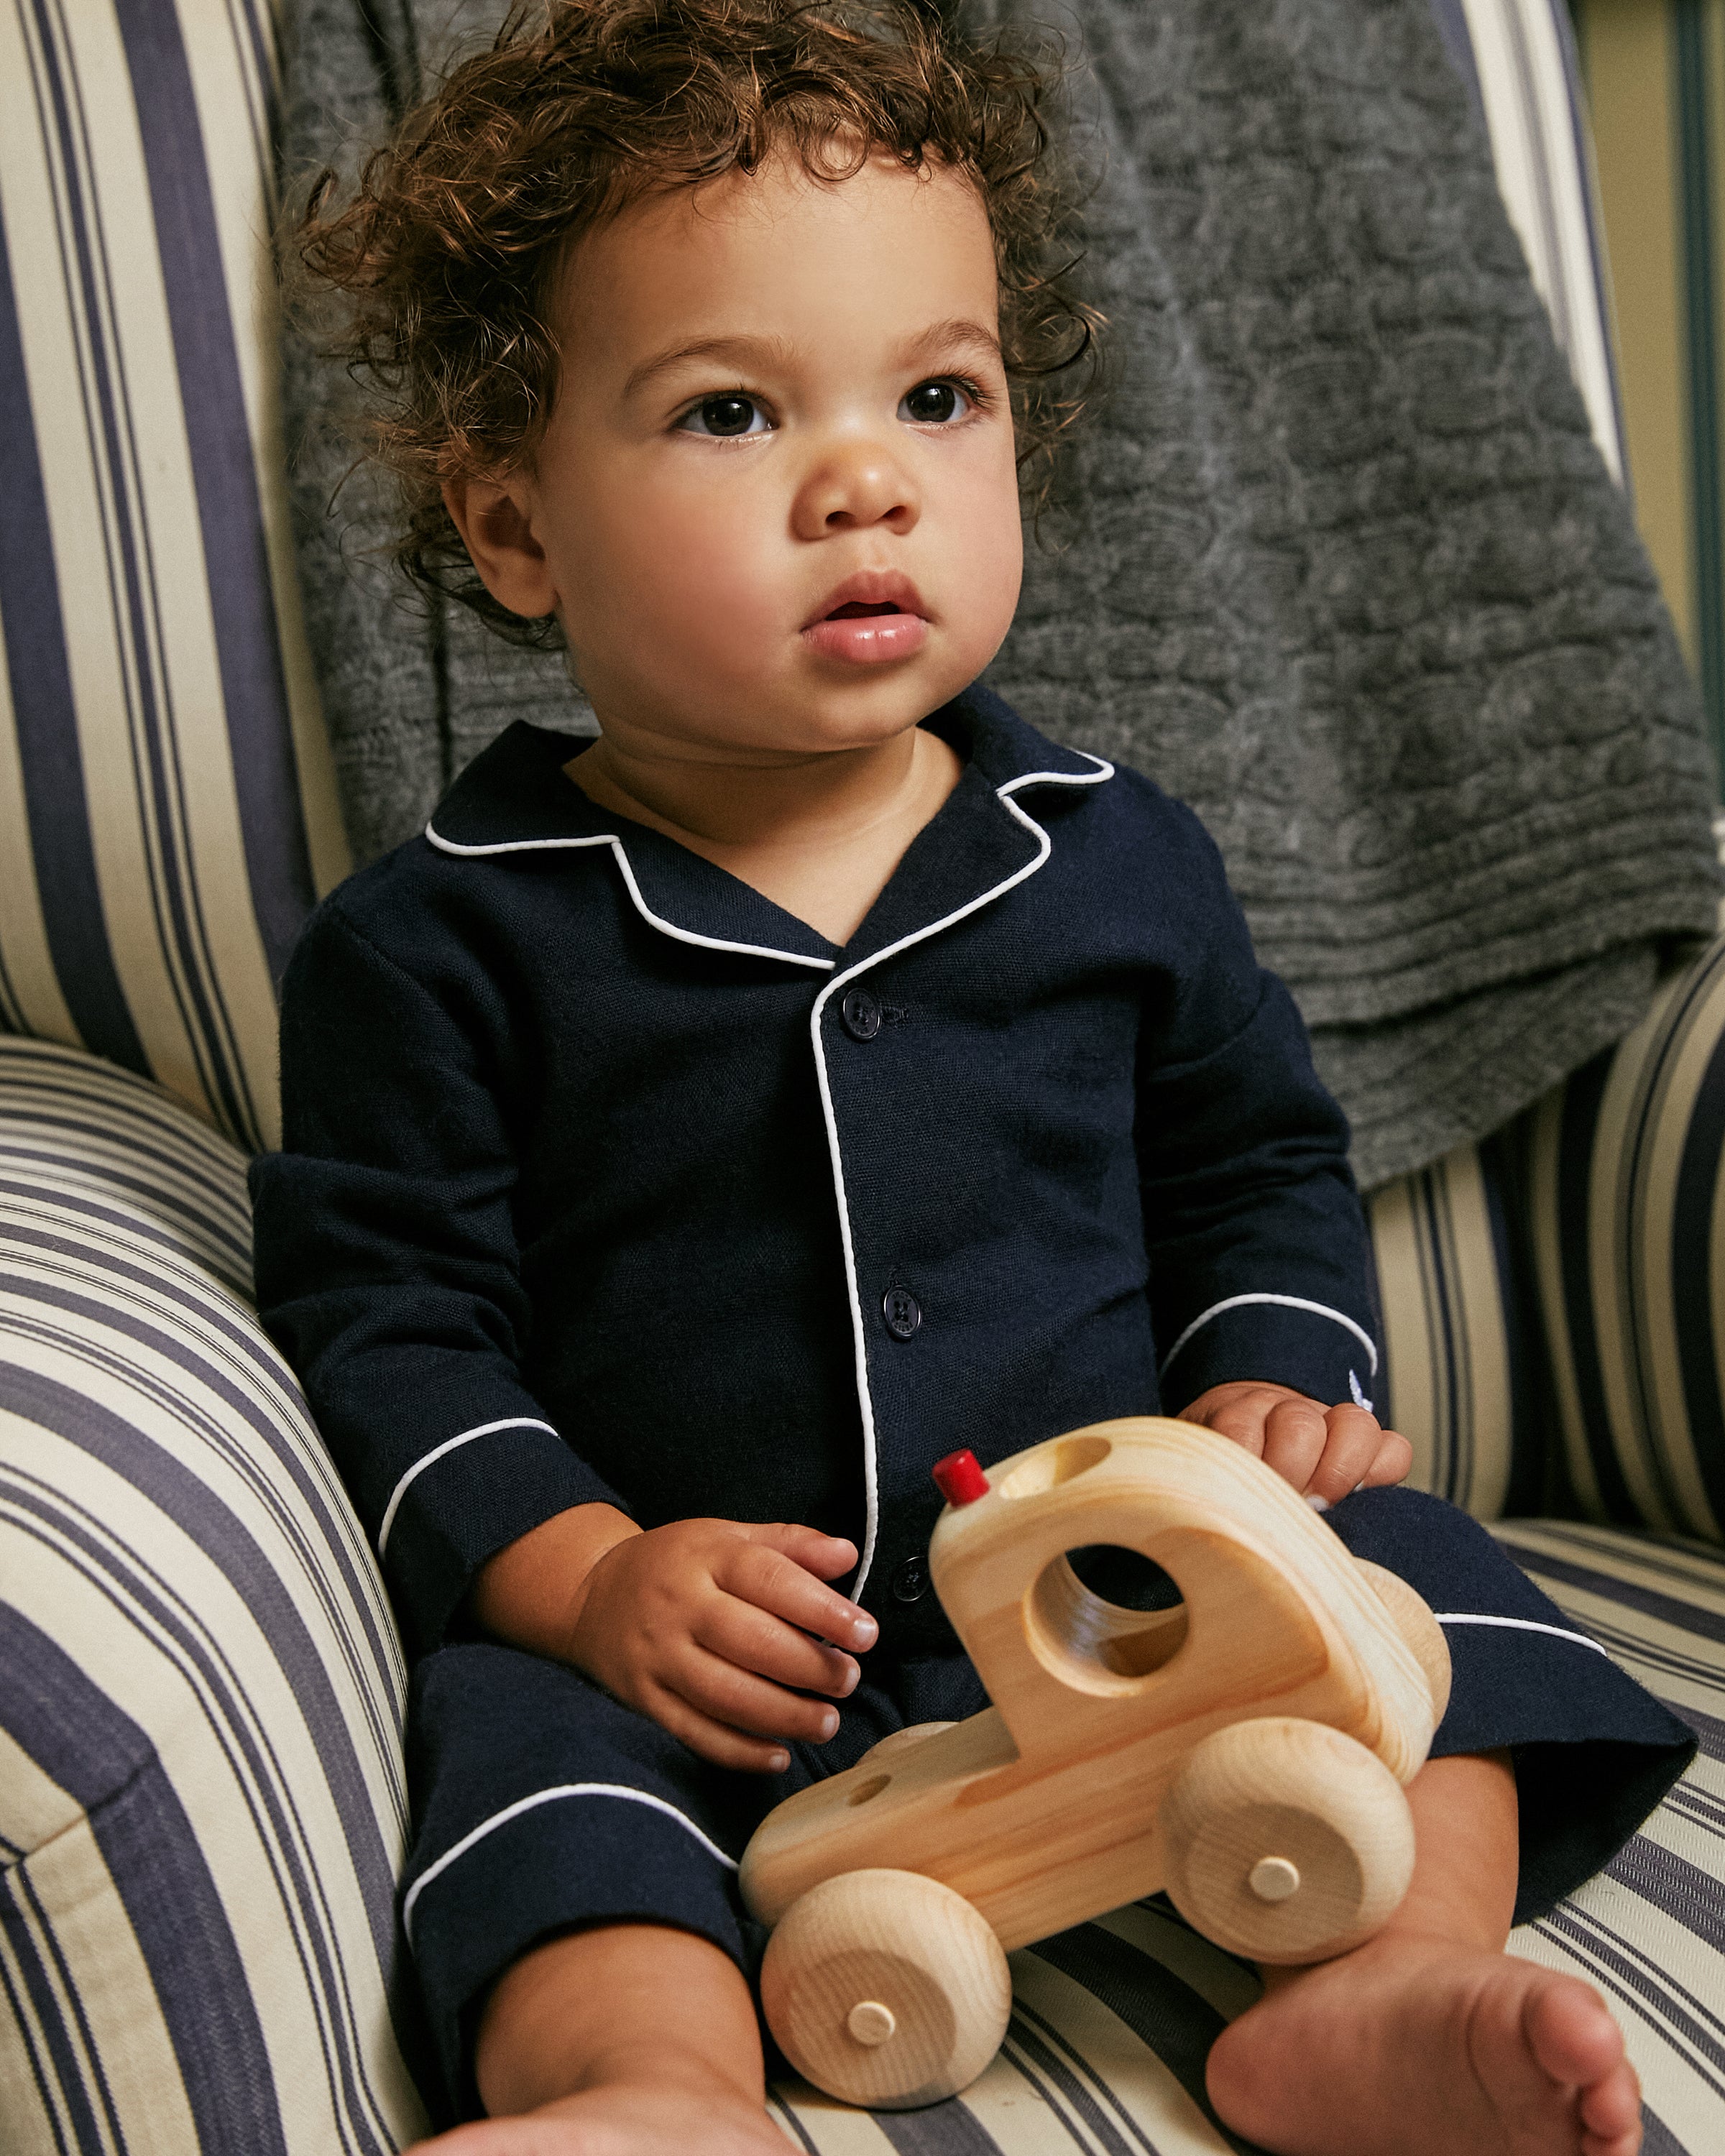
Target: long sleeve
1261,1265
388,1271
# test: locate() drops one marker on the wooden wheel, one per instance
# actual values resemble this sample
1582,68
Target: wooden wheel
1285,1841
1422,1631
885,1988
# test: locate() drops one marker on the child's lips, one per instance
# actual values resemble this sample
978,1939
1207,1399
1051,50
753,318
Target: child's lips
863,632
865,641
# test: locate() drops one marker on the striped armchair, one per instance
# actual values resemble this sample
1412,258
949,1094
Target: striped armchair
202,1803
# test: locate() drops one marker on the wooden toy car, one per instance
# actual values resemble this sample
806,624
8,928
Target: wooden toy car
1244,1749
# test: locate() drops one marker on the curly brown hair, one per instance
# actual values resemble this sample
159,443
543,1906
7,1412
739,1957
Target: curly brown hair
449,250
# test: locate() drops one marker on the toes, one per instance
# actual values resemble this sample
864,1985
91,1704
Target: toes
1610,2113
1570,2032
1621,2145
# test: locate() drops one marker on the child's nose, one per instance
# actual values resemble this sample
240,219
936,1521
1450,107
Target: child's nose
855,485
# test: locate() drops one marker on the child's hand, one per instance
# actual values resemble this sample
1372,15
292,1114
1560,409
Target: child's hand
704,1625
1324,1452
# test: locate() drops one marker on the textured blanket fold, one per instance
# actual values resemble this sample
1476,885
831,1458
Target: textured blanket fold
1342,567
1345,571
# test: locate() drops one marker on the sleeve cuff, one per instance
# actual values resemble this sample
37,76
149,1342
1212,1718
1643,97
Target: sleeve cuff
1326,1353
467,1497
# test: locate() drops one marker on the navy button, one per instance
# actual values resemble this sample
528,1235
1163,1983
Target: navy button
903,1312
861,1014
909,1580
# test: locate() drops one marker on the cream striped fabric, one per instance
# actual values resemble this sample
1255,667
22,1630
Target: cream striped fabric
202,1807
1597,1225
1455,1381
167,812
1628,1216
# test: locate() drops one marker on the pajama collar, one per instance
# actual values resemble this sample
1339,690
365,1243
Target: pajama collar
515,797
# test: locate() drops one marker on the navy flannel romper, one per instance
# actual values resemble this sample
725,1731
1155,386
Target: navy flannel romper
604,1179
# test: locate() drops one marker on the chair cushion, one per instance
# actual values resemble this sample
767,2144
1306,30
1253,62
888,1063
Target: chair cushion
168,812
1625,1230
202,1802
1560,1290
1462,1378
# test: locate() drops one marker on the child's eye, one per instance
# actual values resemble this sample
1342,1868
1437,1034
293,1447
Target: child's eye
932,403
727,416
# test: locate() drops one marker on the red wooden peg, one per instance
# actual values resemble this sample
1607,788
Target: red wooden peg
959,1479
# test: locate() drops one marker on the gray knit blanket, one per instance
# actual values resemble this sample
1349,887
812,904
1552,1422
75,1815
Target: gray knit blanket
1339,565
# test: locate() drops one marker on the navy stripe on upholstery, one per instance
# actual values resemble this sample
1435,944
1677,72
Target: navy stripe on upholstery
254,691
45,716
1178,2025
1463,1379
85,1741
1623,1206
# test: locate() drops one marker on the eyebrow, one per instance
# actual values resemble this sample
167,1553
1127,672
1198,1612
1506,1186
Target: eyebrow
759,349
964,336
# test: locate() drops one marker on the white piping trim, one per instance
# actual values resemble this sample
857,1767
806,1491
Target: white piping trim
1521,1625
653,920
550,1796
871,1477
428,1459
1287,1302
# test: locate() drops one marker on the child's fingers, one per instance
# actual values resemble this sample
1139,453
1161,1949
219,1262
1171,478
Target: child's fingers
741,1700
1239,1419
1295,1438
827,1557
755,1570
1394,1462
713,1741
1352,1441
740,1633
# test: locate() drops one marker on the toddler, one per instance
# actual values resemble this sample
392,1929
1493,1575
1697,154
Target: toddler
693,1136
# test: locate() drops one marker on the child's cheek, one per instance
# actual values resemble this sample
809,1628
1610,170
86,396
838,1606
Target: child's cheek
697,600
719,591
687,546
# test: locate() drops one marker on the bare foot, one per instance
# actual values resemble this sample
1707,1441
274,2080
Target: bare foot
620,2119
1416,2047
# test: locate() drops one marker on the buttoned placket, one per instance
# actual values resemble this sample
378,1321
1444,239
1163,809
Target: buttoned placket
901,1311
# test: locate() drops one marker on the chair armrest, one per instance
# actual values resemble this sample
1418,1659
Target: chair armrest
201,1798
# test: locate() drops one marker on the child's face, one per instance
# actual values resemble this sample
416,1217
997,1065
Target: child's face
764,414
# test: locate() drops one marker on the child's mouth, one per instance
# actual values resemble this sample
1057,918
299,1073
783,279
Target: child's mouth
865,632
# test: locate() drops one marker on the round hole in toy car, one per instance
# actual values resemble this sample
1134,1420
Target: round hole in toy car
864,1791
1092,1642
1066,1458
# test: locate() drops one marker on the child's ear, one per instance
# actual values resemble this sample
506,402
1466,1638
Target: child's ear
496,528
